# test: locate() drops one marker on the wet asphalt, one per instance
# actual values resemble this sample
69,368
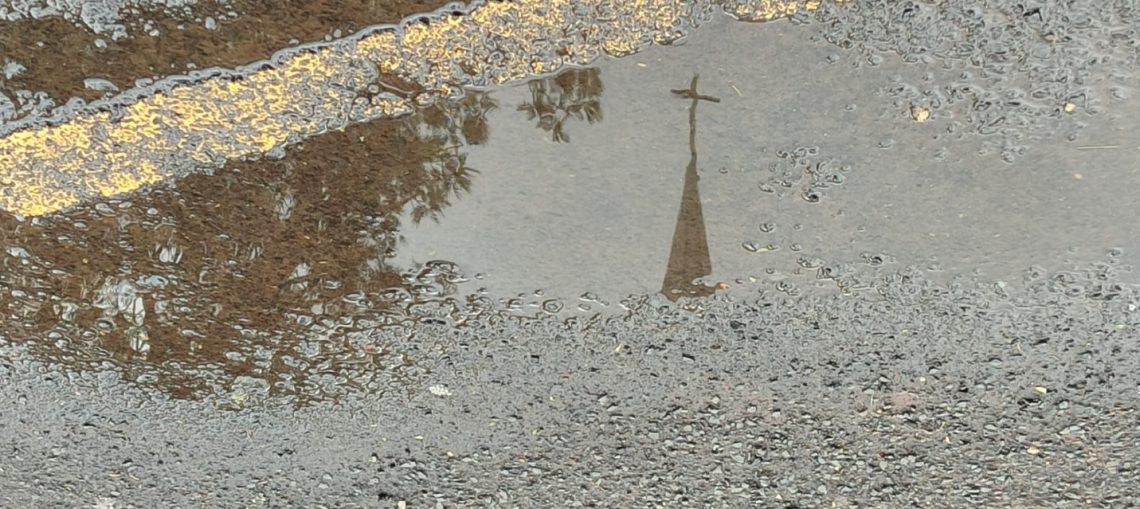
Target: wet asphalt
941,311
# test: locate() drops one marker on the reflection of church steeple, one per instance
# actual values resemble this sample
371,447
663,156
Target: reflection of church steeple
689,257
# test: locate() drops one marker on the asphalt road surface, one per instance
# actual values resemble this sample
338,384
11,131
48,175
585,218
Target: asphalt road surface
879,254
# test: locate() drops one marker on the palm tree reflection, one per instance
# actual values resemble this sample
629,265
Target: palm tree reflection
575,93
451,125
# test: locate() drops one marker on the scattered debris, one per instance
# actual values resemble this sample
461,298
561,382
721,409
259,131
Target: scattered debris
920,114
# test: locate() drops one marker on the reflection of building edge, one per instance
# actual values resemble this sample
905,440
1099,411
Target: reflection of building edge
689,256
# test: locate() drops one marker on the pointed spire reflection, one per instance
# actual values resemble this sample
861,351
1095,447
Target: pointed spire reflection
689,257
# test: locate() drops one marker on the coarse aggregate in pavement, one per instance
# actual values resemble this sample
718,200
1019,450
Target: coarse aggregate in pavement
914,395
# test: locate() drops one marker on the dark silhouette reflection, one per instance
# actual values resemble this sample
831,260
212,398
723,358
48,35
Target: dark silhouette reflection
254,273
689,257
575,93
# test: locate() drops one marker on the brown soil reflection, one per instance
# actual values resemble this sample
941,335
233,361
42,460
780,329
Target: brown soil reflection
238,272
59,55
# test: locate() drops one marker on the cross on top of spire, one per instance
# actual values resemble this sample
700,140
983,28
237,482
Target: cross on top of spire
691,92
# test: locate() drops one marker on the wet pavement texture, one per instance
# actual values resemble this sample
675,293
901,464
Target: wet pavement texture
878,254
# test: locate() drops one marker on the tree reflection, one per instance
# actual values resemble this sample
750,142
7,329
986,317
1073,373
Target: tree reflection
451,125
575,93
233,271
454,123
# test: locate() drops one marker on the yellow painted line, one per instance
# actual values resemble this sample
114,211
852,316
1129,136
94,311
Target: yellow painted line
768,10
199,125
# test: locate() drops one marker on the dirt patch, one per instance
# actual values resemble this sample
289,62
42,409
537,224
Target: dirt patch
260,29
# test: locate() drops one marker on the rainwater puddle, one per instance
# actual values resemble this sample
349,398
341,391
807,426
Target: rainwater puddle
791,167
805,170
